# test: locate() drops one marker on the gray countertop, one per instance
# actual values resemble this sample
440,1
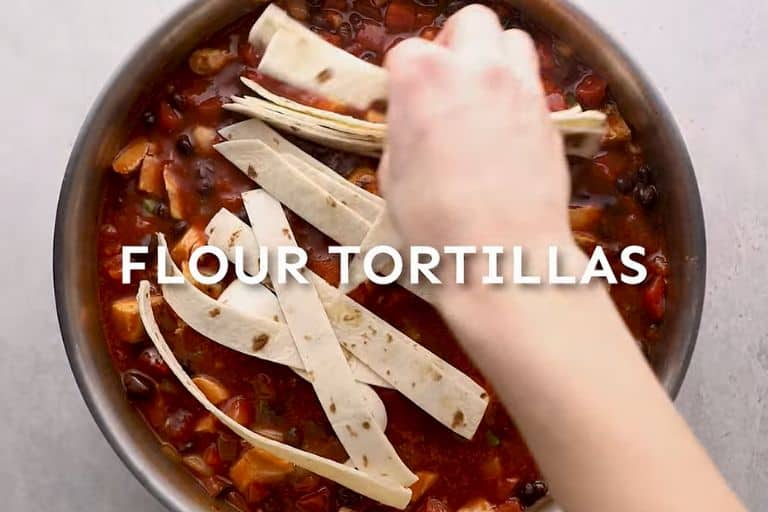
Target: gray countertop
708,59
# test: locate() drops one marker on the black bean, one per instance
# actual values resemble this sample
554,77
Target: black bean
356,20
644,175
293,437
162,210
625,184
369,56
149,118
646,195
180,227
184,145
532,492
178,101
137,385
454,6
347,497
204,186
346,32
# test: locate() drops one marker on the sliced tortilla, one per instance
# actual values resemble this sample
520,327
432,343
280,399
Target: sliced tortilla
369,126
382,490
259,301
271,20
307,61
310,130
289,186
382,232
264,109
323,358
261,336
441,399
582,131
352,198
258,129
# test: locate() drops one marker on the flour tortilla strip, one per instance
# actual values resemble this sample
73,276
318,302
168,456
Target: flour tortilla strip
438,388
305,60
271,20
289,186
311,131
264,108
258,301
438,398
370,126
255,335
359,203
226,229
259,337
258,129
582,131
382,232
382,490
323,358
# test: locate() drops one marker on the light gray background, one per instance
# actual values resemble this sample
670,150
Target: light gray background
707,57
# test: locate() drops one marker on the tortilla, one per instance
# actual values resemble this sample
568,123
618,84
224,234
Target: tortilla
352,319
341,129
259,301
582,131
368,126
310,129
323,358
382,232
257,129
255,335
307,61
383,490
352,198
259,337
289,186
271,20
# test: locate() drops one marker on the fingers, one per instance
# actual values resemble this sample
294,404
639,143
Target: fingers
521,52
474,31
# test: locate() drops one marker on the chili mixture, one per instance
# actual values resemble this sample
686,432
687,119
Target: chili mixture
613,204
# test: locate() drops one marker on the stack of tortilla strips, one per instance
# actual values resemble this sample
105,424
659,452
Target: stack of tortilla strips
298,57
315,329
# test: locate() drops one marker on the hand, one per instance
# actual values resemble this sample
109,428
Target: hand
472,156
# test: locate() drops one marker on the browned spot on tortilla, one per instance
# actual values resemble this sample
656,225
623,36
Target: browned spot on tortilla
332,407
389,338
483,395
213,313
437,377
294,129
275,318
307,337
458,419
252,172
373,331
413,384
366,425
331,201
324,75
287,233
389,372
259,341
351,431
365,461
233,238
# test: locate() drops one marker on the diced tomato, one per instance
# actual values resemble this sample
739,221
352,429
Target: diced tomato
556,102
339,5
546,56
591,91
211,456
239,409
509,506
371,36
248,55
306,484
425,15
152,362
400,17
209,111
168,119
256,492
317,501
654,298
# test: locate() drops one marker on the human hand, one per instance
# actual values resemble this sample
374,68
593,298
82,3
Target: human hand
472,157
